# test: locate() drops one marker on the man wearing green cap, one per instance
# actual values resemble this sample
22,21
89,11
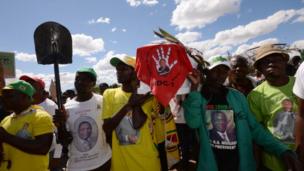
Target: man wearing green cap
88,149
127,120
27,133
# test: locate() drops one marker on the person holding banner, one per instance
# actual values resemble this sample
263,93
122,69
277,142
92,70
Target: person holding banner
237,153
128,122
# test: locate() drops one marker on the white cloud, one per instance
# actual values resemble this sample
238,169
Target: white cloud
191,14
244,47
105,20
105,71
136,3
113,29
91,60
124,30
85,45
187,37
66,78
92,21
300,18
150,2
221,50
63,65
25,57
243,33
298,44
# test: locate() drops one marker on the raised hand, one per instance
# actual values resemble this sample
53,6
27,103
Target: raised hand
195,78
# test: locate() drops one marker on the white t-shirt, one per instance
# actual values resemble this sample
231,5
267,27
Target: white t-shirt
298,88
88,149
177,110
49,106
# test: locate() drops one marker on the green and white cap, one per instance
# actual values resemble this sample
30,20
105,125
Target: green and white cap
218,60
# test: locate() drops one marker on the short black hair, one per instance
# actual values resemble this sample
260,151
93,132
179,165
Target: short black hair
103,85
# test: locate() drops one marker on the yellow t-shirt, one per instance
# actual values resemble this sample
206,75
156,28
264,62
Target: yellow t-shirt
33,122
137,153
158,123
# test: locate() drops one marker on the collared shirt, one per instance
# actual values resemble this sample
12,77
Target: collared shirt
223,136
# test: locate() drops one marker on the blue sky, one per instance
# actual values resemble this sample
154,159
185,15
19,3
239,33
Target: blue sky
102,29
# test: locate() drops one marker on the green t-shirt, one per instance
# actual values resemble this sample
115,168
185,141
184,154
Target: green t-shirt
274,108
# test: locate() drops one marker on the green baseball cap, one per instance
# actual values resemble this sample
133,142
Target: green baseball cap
90,71
21,86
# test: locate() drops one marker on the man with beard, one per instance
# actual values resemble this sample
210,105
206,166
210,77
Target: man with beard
265,100
127,121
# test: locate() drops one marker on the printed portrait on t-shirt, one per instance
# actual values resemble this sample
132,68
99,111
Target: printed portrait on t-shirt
221,129
24,132
87,133
284,122
125,132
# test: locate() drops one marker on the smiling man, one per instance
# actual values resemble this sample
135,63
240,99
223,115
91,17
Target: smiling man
265,100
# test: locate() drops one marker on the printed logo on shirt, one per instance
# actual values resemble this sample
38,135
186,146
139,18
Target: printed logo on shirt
162,61
24,132
87,133
284,122
125,132
221,127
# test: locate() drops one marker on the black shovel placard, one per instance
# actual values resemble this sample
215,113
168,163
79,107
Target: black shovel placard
53,45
